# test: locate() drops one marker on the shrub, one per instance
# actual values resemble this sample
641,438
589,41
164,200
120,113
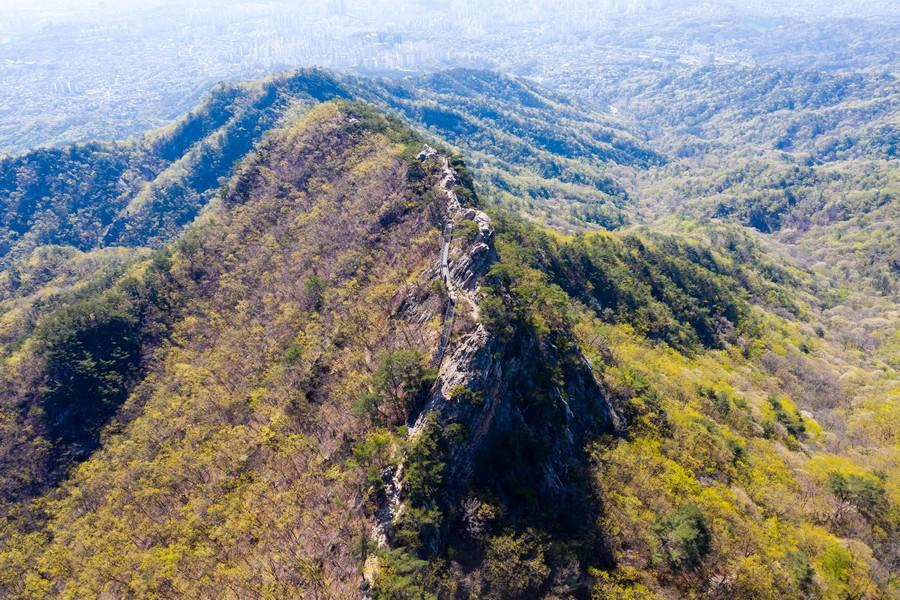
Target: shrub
514,566
400,378
461,393
685,537
466,231
373,455
791,421
313,289
400,577
424,466
867,494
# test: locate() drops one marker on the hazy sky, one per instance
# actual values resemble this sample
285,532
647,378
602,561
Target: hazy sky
92,9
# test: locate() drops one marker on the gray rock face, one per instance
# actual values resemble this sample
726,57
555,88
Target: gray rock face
464,271
501,374
503,378
427,152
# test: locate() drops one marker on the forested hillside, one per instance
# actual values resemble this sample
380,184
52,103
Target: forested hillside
809,157
458,336
530,144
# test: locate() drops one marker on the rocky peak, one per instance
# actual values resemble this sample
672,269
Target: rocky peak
480,384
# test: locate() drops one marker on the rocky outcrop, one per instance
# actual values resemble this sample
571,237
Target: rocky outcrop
483,383
457,359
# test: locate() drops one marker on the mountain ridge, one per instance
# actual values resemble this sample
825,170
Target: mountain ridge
172,173
363,371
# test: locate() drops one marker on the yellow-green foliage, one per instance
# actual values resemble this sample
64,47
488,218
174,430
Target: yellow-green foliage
704,433
733,474
279,345
237,476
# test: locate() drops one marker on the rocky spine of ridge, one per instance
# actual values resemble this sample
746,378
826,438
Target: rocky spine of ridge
469,357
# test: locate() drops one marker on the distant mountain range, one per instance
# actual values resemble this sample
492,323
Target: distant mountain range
86,71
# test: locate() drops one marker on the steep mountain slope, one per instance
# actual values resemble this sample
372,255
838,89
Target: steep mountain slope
239,425
304,349
531,144
344,379
353,367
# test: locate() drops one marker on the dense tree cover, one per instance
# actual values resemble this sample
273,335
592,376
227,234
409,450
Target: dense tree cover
145,191
725,464
683,412
247,398
92,351
694,111
75,342
668,290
